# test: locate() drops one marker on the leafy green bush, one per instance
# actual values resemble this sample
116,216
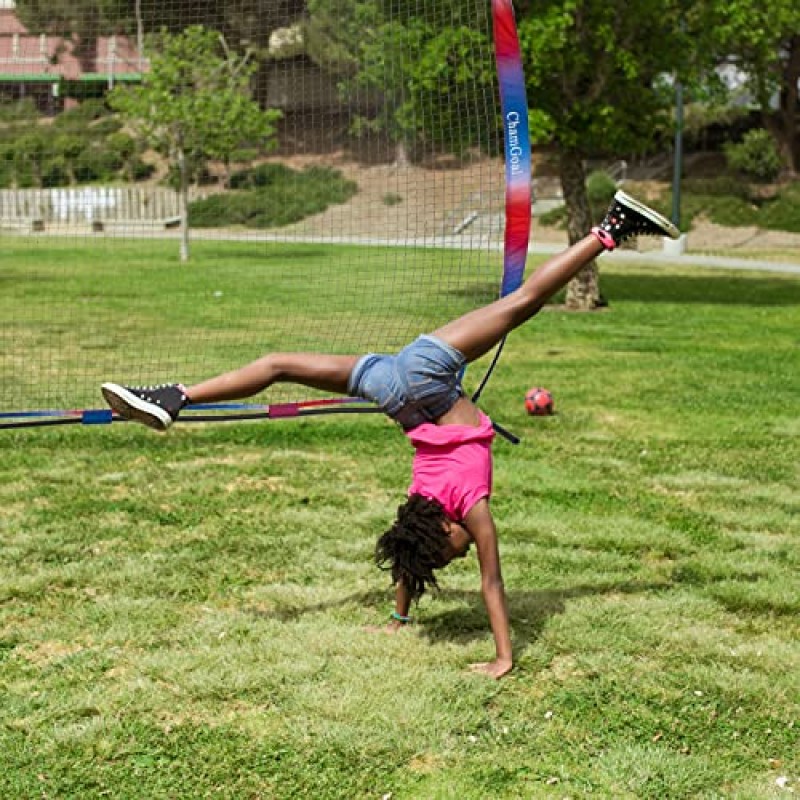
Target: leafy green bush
600,188
273,195
24,177
83,145
244,155
98,163
722,186
755,156
55,173
29,153
138,170
783,213
261,176
82,115
69,144
22,111
6,165
739,208
733,212
123,145
108,126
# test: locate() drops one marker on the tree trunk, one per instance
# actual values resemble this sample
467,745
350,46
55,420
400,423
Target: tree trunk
782,124
225,178
790,105
183,168
139,34
401,159
583,291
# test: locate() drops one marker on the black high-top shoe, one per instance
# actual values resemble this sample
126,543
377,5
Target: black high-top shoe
627,218
155,406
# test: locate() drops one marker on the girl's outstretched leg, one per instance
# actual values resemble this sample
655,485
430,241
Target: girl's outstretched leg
478,331
158,406
326,372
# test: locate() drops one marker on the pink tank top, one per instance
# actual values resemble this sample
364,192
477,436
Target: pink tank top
453,464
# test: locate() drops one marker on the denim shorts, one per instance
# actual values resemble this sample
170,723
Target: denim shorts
419,384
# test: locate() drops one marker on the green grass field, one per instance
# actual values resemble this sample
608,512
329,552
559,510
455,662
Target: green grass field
75,313
184,616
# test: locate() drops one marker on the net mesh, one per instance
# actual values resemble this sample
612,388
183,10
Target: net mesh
341,160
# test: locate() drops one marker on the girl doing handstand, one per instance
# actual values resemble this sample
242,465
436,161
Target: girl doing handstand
448,505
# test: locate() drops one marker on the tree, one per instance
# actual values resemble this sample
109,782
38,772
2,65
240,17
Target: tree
763,40
409,75
195,105
594,74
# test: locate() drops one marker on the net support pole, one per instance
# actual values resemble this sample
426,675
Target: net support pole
514,105
517,141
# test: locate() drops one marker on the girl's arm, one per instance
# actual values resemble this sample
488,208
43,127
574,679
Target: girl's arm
400,618
480,524
402,605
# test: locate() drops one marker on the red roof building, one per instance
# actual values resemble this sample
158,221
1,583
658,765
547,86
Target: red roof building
47,69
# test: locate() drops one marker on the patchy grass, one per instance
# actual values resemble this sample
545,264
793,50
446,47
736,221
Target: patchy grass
184,615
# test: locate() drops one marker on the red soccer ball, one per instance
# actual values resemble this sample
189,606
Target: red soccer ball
538,402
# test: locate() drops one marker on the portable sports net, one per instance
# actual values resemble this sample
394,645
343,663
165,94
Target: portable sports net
185,186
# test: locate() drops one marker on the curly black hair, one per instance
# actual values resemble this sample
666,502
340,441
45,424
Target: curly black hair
415,544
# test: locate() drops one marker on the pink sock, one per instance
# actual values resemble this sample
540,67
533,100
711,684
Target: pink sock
604,237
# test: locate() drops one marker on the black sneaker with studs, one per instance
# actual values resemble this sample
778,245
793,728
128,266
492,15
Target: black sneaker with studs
626,218
155,406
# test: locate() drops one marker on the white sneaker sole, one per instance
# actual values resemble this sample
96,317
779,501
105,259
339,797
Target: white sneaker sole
129,406
666,226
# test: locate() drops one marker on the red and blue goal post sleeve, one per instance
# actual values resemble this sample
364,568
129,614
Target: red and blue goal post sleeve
514,106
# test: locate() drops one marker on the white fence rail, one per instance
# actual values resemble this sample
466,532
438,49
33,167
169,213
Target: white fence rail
89,204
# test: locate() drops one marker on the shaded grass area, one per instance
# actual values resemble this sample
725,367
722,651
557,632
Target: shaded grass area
184,615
